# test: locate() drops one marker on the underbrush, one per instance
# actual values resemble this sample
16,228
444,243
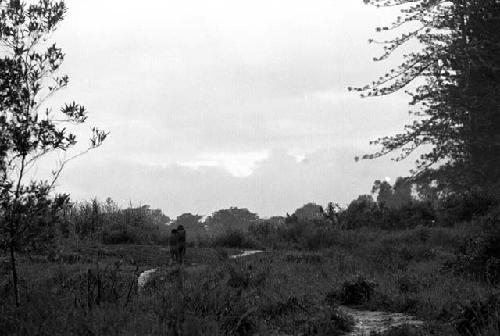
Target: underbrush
233,239
294,289
233,298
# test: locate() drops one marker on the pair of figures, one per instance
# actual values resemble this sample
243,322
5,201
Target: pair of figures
177,244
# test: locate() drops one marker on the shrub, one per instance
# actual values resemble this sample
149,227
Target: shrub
356,291
480,256
233,239
476,316
120,235
466,206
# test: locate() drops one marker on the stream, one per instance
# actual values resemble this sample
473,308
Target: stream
245,253
366,322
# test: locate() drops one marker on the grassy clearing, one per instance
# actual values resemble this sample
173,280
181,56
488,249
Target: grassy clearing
285,291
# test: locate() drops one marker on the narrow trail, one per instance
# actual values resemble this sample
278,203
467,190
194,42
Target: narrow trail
366,322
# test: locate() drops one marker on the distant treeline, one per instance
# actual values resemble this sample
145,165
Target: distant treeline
403,205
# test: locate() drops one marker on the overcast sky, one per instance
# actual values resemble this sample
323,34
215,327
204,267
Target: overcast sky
218,103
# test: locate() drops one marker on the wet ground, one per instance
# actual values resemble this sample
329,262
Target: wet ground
375,321
245,253
366,322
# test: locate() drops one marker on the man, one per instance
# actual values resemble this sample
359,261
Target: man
174,246
181,245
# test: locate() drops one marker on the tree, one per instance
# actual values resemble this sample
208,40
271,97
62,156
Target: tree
191,223
402,192
309,212
332,213
362,211
230,219
29,130
384,192
393,196
454,84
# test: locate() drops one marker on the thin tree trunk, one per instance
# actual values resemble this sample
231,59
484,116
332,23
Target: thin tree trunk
14,271
14,227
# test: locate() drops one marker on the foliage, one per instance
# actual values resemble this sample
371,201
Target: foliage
233,239
192,224
453,81
466,206
230,219
267,295
476,316
309,212
356,291
109,224
29,130
480,255
393,196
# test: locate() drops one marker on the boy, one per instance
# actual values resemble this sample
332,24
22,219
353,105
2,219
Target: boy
174,246
181,245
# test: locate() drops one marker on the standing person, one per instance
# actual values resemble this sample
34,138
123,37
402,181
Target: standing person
173,242
181,243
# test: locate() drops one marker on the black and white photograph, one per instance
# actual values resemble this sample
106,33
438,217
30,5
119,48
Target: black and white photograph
250,167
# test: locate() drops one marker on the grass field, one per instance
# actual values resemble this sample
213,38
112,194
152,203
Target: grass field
92,290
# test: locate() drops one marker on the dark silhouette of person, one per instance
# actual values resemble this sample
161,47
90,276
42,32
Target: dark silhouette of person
181,245
173,242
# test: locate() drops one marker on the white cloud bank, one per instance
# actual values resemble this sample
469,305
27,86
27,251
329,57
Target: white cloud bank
278,184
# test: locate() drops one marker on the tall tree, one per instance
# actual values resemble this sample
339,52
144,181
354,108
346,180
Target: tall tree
230,219
309,212
384,192
454,84
29,130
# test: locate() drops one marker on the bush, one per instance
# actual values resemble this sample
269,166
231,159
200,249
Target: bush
356,291
466,206
480,256
479,315
121,234
234,239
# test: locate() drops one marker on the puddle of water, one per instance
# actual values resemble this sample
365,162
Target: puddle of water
144,277
245,253
373,321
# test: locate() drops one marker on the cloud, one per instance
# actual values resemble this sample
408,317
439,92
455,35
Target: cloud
238,164
278,183
218,103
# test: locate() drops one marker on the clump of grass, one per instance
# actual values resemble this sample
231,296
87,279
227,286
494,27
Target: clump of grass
477,316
